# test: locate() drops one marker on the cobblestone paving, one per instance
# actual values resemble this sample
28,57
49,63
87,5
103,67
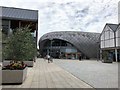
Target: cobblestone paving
95,73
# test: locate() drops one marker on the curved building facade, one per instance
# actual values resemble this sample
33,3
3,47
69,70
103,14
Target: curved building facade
70,44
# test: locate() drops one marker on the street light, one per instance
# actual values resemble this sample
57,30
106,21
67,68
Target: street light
98,50
51,46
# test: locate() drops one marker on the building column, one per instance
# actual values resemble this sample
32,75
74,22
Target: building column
9,28
100,54
47,51
66,55
116,55
76,55
19,24
51,47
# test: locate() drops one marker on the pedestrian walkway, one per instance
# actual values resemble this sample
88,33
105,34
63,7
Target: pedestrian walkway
93,72
49,75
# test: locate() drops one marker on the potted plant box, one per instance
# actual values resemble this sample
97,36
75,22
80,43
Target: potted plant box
29,63
19,48
13,76
107,61
6,62
14,73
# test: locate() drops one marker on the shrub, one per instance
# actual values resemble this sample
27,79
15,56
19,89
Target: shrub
18,65
20,45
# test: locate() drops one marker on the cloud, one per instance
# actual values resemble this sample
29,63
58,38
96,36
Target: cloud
70,15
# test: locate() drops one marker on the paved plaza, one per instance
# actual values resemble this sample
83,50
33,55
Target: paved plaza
95,73
49,75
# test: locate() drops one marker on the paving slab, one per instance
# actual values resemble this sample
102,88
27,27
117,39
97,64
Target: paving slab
49,75
93,72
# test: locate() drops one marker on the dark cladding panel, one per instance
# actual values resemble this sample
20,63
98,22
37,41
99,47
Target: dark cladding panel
19,14
86,42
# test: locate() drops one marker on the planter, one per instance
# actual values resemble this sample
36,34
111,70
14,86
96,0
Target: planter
107,61
5,63
13,76
29,63
0,76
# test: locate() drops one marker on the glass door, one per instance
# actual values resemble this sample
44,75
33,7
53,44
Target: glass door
118,55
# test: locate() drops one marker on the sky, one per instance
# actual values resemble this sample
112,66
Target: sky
70,15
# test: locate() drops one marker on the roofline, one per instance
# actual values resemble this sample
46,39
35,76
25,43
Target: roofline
110,27
111,24
68,31
22,19
18,8
71,31
103,30
116,28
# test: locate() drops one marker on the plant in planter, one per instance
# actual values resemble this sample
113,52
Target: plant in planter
106,58
20,47
15,65
14,73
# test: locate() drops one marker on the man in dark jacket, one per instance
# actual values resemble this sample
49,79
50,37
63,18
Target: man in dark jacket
80,57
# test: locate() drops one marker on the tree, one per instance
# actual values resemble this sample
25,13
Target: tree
20,45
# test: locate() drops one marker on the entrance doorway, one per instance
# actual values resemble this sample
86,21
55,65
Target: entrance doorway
109,55
118,55
112,55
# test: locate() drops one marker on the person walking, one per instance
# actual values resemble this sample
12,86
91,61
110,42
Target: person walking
80,58
48,57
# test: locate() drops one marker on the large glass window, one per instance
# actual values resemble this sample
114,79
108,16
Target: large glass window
14,24
5,26
59,48
118,55
71,50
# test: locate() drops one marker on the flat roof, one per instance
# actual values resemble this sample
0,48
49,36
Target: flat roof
18,14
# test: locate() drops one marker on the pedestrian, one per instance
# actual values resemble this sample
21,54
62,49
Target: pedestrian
48,57
80,58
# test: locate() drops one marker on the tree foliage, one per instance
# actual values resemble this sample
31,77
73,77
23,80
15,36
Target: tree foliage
20,45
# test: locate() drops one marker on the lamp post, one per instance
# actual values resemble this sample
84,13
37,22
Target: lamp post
98,52
51,46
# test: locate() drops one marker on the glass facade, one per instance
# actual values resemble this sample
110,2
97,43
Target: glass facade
5,26
108,55
59,49
9,26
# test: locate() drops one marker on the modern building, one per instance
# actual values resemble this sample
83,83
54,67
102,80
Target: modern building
110,42
70,44
13,18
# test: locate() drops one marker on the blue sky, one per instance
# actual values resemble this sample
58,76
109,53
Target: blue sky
70,15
